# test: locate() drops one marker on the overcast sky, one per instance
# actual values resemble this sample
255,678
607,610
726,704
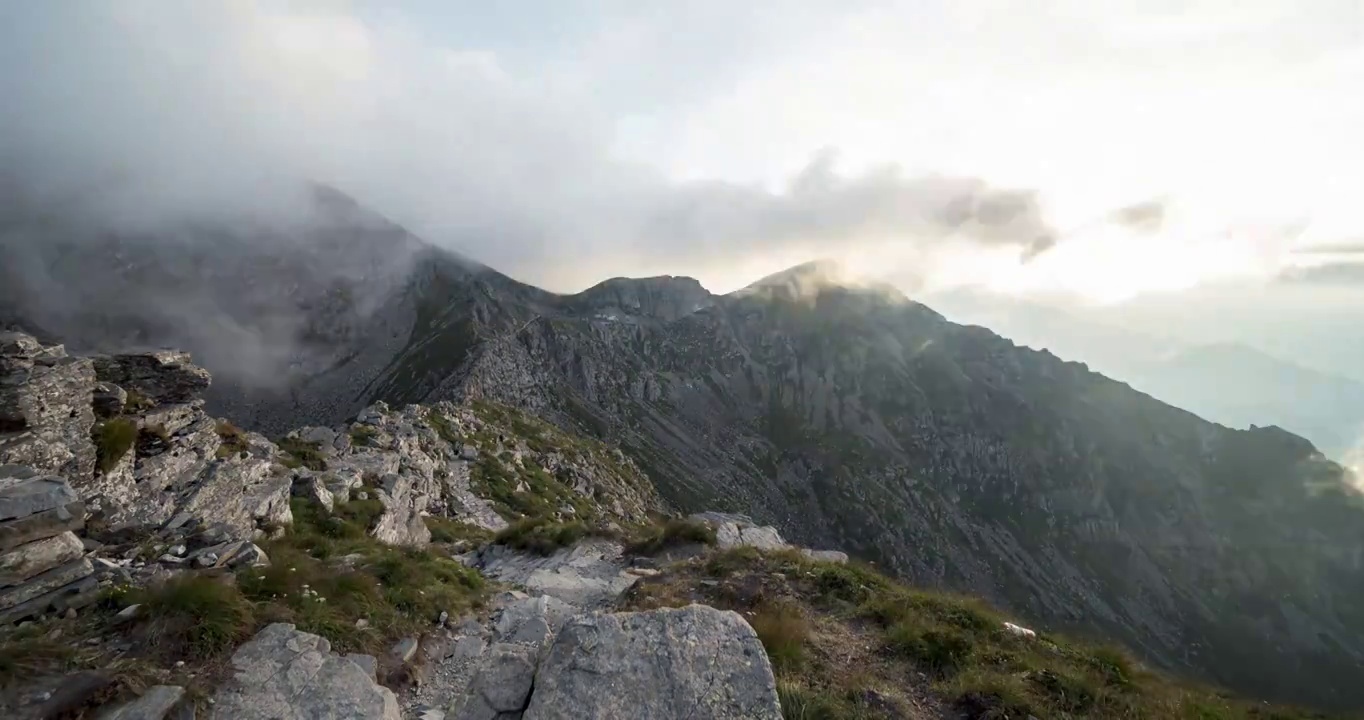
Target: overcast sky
980,142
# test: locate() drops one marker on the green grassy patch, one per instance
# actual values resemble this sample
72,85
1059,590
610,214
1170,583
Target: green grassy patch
444,428
113,439
24,656
302,453
395,591
137,402
656,538
362,435
784,632
447,530
525,492
541,536
195,616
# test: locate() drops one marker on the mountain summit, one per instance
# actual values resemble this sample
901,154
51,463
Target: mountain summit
850,419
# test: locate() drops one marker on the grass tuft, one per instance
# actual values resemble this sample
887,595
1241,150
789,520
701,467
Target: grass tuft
396,591
672,533
233,440
784,631
22,658
113,439
449,530
137,402
541,536
303,454
362,435
196,616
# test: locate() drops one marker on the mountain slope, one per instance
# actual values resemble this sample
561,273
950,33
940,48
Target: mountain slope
849,417
956,458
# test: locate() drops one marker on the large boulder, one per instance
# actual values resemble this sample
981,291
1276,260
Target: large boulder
285,674
695,662
733,531
502,685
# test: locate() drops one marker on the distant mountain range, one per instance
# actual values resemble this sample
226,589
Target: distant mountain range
1229,383
850,417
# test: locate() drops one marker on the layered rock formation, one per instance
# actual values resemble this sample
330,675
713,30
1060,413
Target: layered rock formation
42,562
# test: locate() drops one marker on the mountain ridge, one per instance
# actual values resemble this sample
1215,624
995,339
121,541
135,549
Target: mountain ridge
853,419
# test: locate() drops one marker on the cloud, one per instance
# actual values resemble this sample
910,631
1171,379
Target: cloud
155,116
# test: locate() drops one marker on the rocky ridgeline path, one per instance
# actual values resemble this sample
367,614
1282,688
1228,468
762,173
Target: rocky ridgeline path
112,476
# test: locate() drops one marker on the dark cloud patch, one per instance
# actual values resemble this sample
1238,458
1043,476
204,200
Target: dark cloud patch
1147,217
821,209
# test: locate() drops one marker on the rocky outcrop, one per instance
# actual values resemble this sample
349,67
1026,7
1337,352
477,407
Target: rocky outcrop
695,662
165,377
285,674
733,530
160,457
404,505
45,407
42,562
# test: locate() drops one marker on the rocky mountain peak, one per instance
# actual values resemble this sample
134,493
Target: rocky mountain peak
665,298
